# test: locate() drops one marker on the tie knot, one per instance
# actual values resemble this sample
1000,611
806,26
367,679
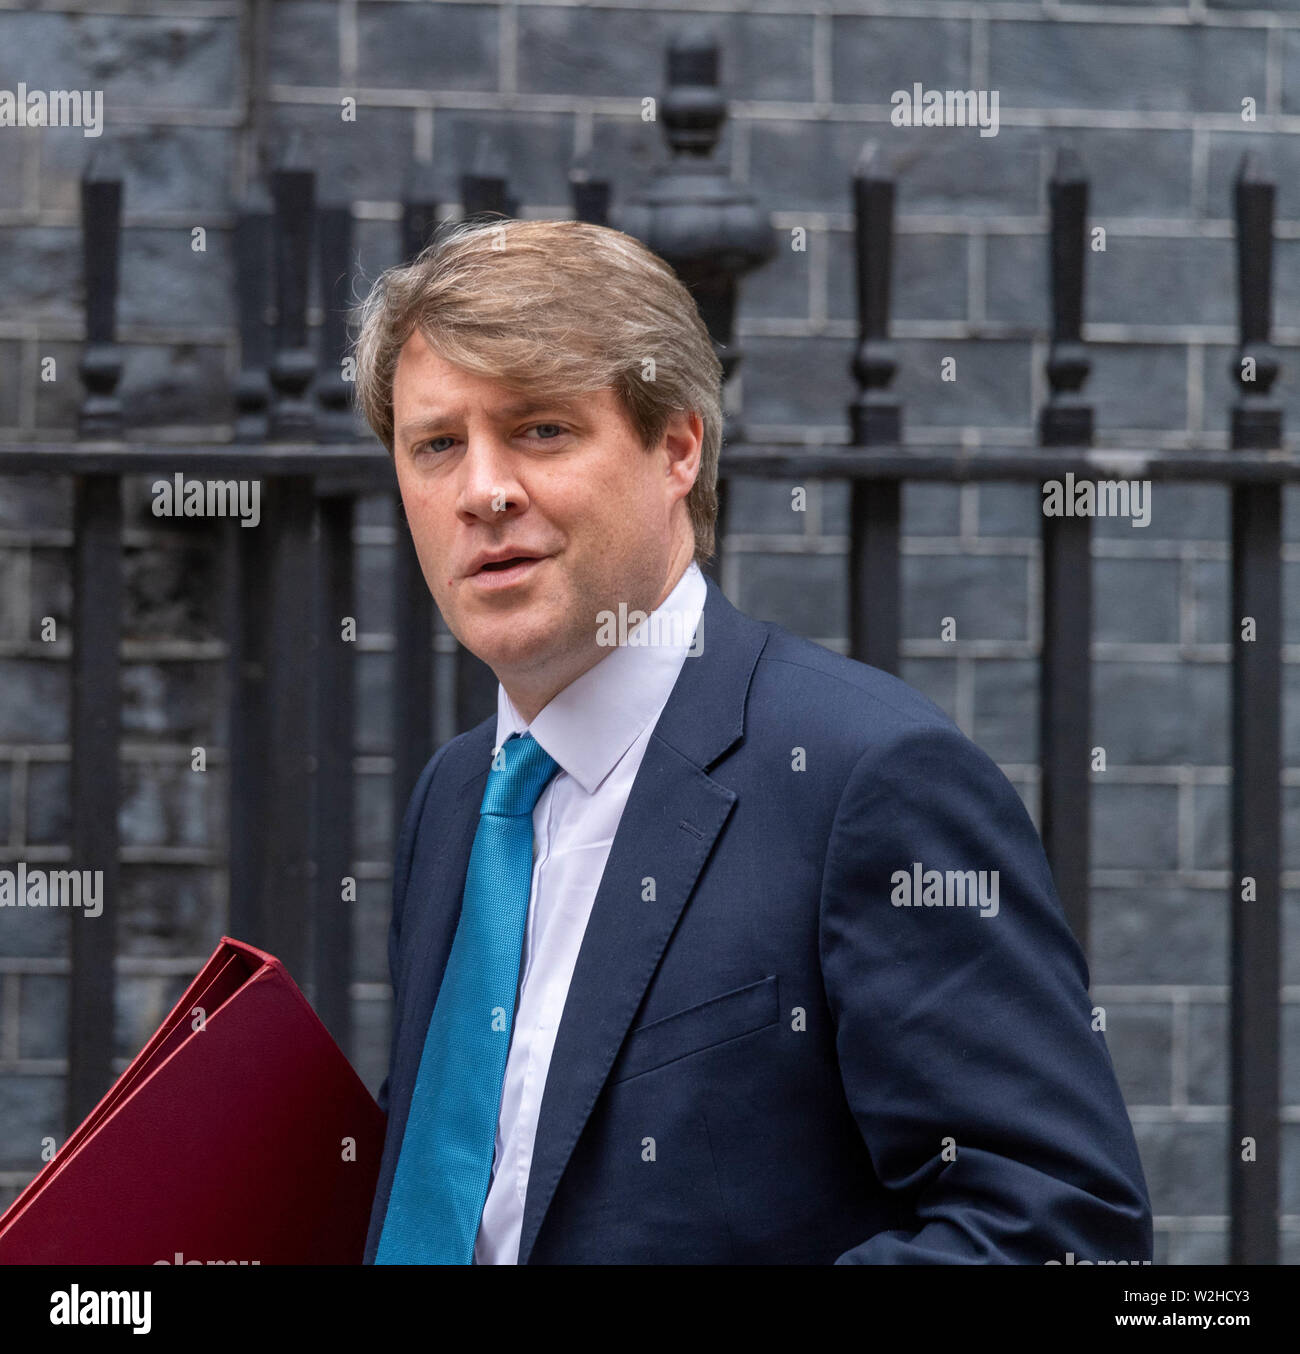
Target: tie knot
520,769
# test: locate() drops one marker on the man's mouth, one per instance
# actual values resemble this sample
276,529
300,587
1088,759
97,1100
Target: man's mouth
504,573
501,564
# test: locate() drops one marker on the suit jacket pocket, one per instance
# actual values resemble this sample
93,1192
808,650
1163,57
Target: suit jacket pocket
728,1016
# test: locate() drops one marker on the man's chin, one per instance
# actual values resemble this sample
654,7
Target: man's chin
506,647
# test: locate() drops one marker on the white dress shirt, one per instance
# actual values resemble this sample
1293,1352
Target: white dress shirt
597,730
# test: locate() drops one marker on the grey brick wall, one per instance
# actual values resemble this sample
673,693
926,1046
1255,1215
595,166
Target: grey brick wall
1149,94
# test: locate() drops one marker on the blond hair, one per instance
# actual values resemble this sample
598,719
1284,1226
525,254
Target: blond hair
557,308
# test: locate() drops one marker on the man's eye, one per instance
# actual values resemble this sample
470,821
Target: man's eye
555,428
432,444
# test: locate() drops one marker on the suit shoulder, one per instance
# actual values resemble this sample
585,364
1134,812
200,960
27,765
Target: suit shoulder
859,696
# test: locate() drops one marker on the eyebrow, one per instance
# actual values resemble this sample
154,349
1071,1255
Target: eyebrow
515,409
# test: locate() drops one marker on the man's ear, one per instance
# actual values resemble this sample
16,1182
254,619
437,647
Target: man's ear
684,443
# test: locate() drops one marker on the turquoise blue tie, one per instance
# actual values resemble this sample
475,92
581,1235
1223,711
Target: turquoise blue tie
445,1164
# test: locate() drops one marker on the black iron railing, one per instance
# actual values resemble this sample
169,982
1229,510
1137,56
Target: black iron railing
291,580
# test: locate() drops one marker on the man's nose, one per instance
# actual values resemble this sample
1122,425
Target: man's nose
489,484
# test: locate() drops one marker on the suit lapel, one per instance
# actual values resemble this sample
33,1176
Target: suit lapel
673,817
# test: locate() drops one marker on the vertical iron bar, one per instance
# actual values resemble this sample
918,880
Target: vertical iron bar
875,513
253,281
419,211
484,191
412,666
875,418
249,730
1256,417
590,196
101,232
96,632
1066,419
96,707
333,392
284,896
332,733
336,711
1254,1145
284,646
1065,711
412,602
293,190
1065,667
1256,855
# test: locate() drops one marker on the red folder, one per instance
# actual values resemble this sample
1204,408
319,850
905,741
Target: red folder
248,1141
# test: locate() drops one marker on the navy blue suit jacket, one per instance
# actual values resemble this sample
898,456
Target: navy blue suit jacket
763,1059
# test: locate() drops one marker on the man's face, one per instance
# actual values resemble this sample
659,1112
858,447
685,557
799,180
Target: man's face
488,474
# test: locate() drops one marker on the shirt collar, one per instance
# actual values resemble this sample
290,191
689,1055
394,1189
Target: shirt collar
587,727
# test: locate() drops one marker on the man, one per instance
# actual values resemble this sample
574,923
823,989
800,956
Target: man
714,946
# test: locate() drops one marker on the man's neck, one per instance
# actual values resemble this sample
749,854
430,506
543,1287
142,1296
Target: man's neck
530,700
